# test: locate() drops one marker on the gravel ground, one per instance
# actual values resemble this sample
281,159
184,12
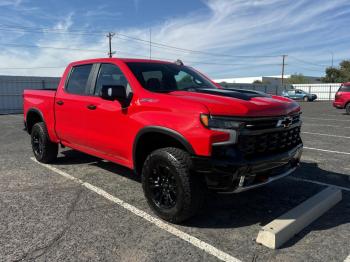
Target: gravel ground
46,217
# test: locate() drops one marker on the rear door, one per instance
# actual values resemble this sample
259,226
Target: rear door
72,104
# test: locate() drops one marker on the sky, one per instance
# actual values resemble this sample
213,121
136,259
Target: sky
221,38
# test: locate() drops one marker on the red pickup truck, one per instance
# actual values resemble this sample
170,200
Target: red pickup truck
342,98
172,125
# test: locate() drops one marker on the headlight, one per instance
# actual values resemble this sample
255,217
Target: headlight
219,122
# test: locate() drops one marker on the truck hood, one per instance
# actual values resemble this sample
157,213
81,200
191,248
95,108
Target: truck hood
240,103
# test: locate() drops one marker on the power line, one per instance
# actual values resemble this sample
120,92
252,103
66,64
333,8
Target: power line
148,42
25,68
161,45
52,47
307,62
132,54
49,30
144,41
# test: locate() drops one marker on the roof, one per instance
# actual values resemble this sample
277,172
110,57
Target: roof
125,60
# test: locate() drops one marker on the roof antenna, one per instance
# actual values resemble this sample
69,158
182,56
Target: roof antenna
179,62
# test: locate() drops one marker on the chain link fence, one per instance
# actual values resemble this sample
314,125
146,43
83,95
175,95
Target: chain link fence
11,90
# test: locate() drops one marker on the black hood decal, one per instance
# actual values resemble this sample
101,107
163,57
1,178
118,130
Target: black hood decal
234,93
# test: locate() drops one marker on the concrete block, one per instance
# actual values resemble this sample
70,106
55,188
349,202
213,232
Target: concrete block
280,230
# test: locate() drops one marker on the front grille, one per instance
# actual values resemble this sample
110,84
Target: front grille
269,143
267,123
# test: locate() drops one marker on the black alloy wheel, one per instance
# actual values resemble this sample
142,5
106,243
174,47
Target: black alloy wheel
162,184
37,144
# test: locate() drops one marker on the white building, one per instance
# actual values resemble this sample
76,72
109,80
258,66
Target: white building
247,80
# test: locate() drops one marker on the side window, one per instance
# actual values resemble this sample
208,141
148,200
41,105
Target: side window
153,80
152,74
110,75
78,79
291,92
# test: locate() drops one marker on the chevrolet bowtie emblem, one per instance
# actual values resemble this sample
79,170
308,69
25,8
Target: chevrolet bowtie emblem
285,122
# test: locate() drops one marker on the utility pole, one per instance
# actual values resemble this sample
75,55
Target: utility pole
332,58
150,43
283,64
110,36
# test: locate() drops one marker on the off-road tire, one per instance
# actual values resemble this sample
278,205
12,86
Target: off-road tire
190,189
44,150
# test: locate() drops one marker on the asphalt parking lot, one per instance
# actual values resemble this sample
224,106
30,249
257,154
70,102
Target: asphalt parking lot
47,216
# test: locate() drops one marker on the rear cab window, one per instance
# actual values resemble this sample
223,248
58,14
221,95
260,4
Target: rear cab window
79,79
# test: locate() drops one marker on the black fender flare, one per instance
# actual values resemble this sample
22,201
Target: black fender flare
36,111
163,130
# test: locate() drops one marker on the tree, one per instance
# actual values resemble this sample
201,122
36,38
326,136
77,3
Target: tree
338,74
257,82
297,79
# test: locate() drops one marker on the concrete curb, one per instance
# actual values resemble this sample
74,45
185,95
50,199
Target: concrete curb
280,230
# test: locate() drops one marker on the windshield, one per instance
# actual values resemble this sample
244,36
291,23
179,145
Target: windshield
164,77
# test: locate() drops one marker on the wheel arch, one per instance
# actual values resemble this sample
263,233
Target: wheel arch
154,137
33,116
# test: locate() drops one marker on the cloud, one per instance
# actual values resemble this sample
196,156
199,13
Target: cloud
304,29
13,3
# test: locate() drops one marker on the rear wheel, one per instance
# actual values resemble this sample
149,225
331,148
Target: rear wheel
44,150
306,99
172,192
347,108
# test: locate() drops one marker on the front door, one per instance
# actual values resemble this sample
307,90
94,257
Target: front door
108,123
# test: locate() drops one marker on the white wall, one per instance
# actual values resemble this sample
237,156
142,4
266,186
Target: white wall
323,91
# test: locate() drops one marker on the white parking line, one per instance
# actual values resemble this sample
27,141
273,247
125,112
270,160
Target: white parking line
311,133
307,124
328,151
157,222
325,119
347,259
319,183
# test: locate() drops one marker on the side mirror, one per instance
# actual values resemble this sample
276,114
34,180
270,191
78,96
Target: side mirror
113,93
116,92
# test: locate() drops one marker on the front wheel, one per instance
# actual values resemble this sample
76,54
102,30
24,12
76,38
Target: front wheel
172,192
44,150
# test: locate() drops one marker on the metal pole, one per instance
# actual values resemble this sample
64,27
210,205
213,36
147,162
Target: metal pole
150,43
283,64
110,35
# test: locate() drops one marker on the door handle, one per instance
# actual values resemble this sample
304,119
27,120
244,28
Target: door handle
91,107
59,102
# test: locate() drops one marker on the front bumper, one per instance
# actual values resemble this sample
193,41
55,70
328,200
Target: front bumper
236,174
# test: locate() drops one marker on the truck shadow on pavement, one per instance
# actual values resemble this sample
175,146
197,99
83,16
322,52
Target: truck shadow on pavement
254,207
